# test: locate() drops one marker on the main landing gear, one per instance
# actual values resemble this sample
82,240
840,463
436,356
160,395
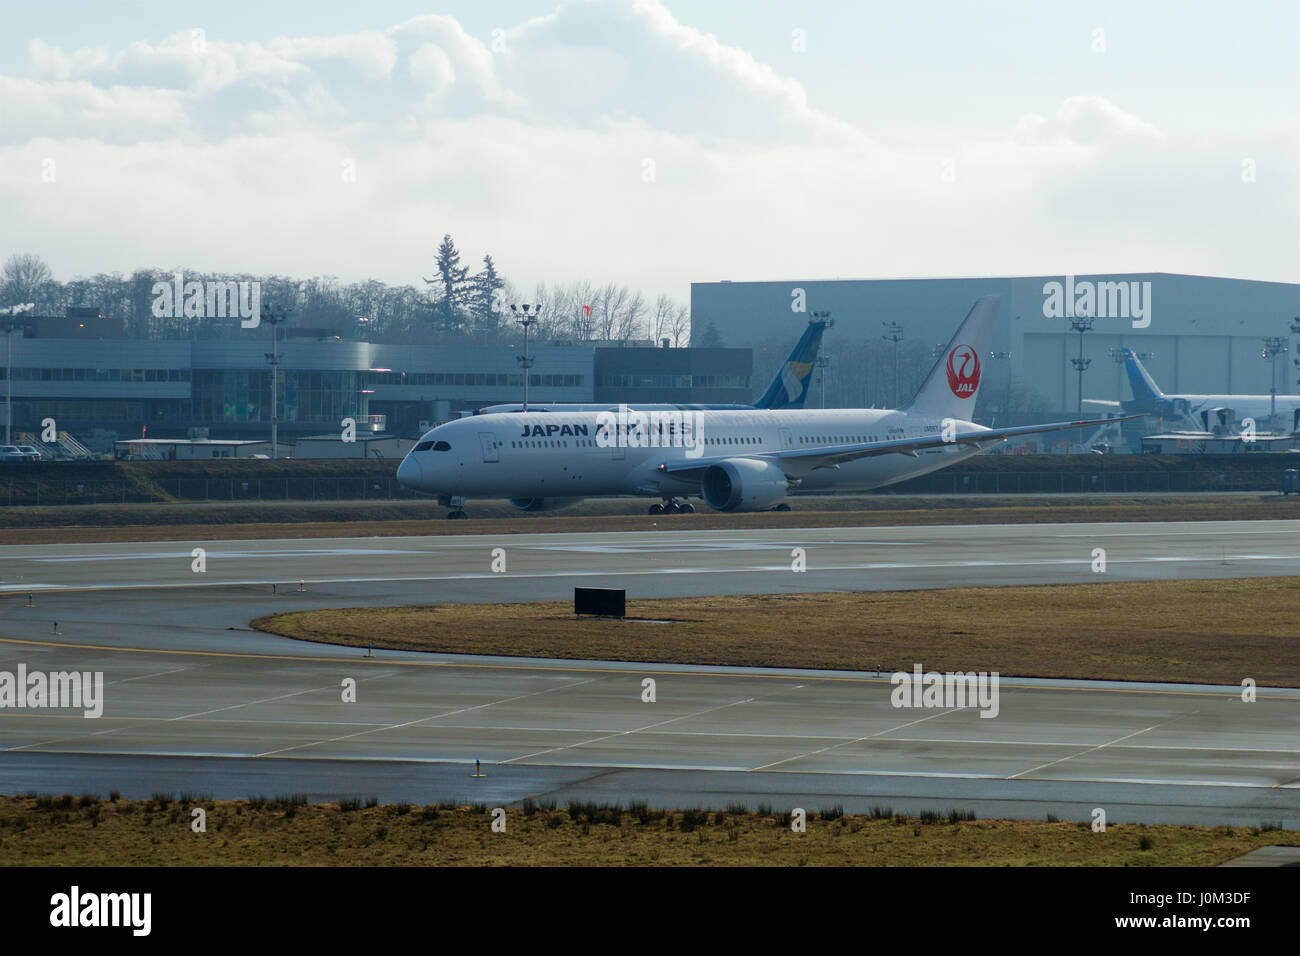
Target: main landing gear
458,513
457,505
671,506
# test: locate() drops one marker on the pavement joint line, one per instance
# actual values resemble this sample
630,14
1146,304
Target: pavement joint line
631,667
845,743
462,710
841,738
1102,746
175,670
55,740
267,700
636,730
605,769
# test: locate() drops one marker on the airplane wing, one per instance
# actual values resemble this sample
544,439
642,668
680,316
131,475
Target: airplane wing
799,461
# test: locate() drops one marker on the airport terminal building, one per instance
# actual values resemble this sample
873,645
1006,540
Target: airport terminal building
81,372
1194,333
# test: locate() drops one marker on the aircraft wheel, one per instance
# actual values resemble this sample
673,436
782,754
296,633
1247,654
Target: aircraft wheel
656,509
672,508
686,508
782,507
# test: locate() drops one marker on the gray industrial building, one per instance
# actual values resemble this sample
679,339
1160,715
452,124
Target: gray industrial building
1195,333
86,376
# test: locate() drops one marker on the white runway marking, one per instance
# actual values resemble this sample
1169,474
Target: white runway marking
1081,563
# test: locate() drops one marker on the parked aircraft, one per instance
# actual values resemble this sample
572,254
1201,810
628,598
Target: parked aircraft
1207,412
735,460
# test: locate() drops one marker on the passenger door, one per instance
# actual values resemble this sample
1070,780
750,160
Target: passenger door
488,441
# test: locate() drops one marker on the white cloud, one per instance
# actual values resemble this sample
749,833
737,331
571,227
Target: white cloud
230,158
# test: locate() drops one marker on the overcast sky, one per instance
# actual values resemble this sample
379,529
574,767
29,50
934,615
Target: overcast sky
654,143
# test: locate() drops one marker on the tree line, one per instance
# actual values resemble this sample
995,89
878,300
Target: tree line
452,305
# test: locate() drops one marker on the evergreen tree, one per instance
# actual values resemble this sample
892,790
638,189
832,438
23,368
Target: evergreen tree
709,338
453,279
484,287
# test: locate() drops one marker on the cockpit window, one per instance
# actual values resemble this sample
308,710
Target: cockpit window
433,446
424,446
441,446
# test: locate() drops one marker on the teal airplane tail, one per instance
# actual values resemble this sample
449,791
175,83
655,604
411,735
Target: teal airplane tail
790,387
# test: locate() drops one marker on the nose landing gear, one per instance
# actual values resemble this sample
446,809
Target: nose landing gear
457,505
671,506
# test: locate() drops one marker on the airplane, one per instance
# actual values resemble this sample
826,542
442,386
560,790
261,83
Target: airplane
788,389
735,460
1210,411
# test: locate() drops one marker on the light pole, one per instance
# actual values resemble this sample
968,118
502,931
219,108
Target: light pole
822,364
822,360
1295,330
10,326
1080,324
1006,402
894,333
1274,345
273,319
526,318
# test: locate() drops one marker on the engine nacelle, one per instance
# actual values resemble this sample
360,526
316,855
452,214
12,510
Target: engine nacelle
1219,420
743,484
543,504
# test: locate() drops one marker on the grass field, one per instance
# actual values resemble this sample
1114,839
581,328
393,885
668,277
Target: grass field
1179,631
169,522
89,831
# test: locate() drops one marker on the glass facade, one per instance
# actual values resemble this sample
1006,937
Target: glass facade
99,374
491,379
230,395
672,381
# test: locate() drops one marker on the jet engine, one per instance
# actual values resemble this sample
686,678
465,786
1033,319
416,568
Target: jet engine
543,504
1218,420
743,484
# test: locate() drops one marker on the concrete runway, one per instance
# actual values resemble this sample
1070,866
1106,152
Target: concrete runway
674,563
196,702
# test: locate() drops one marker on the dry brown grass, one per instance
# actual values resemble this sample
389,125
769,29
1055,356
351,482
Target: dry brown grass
1179,631
146,833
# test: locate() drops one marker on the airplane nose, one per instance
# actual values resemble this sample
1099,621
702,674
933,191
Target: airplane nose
409,472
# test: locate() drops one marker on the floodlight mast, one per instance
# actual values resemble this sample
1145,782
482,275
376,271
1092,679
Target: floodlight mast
526,315
273,319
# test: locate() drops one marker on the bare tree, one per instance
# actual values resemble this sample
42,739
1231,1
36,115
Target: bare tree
679,325
628,320
25,278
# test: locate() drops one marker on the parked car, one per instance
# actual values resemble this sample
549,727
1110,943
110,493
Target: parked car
11,453
32,453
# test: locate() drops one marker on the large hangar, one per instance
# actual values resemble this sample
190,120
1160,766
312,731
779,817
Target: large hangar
1196,333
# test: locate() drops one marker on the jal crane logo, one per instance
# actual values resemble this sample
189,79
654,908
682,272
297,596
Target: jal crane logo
963,371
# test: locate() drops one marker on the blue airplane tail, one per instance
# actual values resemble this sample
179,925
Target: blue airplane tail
1145,390
790,387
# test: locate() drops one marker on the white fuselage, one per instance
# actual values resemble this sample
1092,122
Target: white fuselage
557,454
